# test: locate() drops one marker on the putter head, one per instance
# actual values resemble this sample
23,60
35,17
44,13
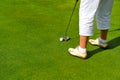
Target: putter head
65,38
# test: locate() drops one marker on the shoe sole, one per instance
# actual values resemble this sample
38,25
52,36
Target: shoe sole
77,55
99,46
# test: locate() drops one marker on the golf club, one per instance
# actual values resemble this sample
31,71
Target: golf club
66,38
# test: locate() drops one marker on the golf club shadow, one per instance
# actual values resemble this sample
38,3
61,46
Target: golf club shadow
112,44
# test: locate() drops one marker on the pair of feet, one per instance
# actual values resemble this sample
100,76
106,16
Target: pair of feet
76,52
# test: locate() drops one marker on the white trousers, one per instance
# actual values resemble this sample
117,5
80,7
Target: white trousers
91,8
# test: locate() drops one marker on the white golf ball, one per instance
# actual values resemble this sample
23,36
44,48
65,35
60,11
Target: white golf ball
61,39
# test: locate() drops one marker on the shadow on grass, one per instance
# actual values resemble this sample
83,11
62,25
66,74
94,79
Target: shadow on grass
115,30
112,44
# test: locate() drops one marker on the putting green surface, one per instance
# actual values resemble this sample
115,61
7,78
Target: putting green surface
30,48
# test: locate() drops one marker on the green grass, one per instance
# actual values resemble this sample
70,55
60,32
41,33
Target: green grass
30,48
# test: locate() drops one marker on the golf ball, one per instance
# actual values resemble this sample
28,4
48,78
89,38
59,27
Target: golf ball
61,39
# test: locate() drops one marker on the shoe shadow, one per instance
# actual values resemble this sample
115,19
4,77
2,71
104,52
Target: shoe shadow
112,44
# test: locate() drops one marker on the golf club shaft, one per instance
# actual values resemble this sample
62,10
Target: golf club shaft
70,18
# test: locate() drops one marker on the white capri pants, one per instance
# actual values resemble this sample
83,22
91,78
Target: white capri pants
88,9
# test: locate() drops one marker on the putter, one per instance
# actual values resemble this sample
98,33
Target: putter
66,38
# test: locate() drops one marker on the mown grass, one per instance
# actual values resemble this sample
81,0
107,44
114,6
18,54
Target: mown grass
30,48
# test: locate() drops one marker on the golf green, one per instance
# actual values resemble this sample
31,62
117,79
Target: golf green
30,48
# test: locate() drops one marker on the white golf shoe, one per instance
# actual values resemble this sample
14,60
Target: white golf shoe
75,52
96,42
